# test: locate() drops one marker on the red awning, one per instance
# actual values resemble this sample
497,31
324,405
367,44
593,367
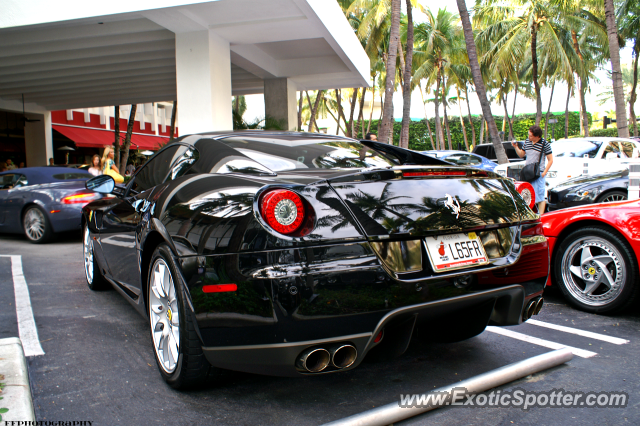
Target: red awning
98,138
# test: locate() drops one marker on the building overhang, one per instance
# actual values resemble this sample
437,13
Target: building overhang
72,54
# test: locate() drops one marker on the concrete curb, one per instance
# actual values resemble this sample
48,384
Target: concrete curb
16,393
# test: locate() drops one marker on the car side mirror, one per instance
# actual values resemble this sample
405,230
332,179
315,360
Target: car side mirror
103,184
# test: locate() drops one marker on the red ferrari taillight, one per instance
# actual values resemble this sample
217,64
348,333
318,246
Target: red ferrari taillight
286,212
435,173
525,189
83,198
219,288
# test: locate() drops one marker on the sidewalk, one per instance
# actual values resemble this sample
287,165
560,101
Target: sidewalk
16,392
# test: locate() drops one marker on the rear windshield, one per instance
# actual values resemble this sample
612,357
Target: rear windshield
72,175
296,153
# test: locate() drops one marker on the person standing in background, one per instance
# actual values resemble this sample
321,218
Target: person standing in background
95,166
537,149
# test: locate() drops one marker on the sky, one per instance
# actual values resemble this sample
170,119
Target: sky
255,103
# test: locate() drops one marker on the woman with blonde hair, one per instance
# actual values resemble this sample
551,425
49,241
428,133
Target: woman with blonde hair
95,168
109,166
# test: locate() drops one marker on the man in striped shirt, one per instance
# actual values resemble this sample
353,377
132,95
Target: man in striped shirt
537,149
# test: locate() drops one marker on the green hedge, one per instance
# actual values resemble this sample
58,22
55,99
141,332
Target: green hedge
419,134
609,131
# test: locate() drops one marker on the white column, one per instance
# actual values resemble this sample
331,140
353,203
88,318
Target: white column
280,102
203,77
38,140
155,118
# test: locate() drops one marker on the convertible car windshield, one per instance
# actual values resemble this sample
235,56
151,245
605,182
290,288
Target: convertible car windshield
575,148
308,154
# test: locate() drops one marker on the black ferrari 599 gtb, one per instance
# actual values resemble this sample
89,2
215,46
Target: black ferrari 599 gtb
289,254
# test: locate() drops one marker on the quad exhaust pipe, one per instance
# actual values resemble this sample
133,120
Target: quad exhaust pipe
532,308
315,360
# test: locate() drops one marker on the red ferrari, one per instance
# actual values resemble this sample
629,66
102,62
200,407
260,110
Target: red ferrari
594,254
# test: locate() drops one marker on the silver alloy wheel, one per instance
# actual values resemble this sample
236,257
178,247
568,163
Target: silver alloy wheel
593,271
164,315
614,197
34,223
87,247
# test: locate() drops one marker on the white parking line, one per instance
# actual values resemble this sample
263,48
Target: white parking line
597,336
26,323
540,342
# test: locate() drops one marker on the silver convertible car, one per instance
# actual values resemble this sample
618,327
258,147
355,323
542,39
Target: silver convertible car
41,201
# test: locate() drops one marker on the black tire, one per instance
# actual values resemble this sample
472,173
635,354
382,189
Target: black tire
611,197
35,225
92,273
593,290
191,368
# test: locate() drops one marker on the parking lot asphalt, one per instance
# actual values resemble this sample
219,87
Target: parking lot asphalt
98,363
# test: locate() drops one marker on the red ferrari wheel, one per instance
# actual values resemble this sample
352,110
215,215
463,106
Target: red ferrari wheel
596,271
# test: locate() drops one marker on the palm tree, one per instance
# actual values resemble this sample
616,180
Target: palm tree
614,49
479,83
434,39
520,29
406,87
385,129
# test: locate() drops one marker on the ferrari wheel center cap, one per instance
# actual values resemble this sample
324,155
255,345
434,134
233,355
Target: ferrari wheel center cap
169,314
592,271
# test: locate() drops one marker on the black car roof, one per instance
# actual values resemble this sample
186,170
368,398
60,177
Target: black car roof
36,175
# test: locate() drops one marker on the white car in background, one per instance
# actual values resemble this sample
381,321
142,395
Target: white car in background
582,156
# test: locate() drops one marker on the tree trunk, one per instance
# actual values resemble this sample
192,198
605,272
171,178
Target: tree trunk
464,128
406,89
312,118
506,114
584,120
444,107
632,97
394,35
338,121
473,128
546,119
566,115
424,106
116,128
236,104
515,98
127,139
315,110
486,131
373,99
446,123
481,130
339,101
439,133
174,114
360,125
614,50
478,82
534,72
351,126
300,112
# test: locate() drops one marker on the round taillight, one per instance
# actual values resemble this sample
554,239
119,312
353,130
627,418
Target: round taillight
286,212
525,189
